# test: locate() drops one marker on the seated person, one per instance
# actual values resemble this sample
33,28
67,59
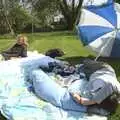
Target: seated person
19,49
101,85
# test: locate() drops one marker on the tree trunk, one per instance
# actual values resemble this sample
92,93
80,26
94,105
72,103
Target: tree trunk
6,17
78,12
71,14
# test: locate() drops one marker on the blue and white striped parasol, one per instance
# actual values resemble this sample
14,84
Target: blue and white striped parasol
99,27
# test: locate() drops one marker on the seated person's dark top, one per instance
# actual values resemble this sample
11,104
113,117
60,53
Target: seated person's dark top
15,51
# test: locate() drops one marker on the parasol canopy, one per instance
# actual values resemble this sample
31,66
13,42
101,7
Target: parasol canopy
99,27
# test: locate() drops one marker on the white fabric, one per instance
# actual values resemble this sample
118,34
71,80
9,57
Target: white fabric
17,103
94,2
101,46
117,8
94,19
118,19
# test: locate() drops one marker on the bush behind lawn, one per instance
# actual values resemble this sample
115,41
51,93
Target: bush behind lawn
69,43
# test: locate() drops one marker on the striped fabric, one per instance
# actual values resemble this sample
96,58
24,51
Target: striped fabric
99,27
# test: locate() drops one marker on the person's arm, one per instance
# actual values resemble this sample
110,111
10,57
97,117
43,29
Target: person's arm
24,52
82,100
9,50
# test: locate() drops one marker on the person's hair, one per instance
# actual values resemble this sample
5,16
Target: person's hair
110,104
25,39
91,66
106,107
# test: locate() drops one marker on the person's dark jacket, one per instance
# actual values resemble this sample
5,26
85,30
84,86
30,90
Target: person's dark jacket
15,51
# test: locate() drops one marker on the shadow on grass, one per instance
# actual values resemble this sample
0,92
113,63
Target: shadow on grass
79,59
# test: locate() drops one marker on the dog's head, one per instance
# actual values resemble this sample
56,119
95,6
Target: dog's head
54,53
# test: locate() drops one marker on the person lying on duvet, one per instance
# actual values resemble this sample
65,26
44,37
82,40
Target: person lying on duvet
102,83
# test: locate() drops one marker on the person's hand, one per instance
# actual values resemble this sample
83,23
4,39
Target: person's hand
77,97
82,100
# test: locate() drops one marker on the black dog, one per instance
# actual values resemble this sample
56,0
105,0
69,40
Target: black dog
56,52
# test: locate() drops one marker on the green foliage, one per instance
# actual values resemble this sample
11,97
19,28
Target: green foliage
21,18
46,10
18,16
13,16
118,1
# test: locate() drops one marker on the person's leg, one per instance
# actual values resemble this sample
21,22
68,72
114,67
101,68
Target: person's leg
46,88
49,90
6,56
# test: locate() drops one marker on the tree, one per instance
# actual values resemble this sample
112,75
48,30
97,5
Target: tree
14,16
47,9
20,20
71,11
4,16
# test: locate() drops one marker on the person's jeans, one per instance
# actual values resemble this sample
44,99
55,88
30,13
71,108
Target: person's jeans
48,90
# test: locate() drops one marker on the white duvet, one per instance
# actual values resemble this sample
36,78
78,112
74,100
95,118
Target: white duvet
18,103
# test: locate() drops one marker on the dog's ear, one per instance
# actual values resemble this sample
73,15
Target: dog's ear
47,53
60,52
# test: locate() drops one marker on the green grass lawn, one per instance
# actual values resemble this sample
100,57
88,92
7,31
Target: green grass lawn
69,43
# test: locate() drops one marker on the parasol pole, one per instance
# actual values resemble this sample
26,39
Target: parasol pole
103,47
